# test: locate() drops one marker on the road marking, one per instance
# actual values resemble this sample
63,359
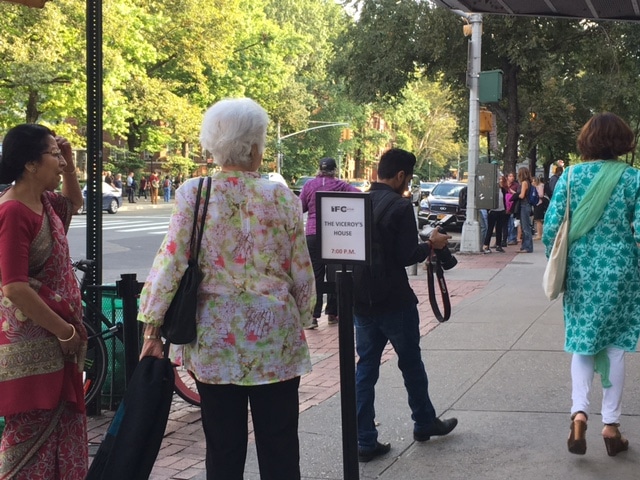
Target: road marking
123,226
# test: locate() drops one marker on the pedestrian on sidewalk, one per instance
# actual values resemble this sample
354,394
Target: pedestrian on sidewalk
166,186
524,178
154,180
389,312
325,181
258,285
131,187
495,220
602,291
143,188
511,203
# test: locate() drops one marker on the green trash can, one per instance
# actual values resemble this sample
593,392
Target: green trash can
114,385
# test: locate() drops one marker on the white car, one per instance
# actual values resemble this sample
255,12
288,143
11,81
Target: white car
275,177
111,198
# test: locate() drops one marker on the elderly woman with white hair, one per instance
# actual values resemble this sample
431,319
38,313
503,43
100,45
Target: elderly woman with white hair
258,287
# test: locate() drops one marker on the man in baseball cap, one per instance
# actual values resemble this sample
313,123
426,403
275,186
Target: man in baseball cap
325,181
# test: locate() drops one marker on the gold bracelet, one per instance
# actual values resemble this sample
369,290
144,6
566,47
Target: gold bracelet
72,335
151,337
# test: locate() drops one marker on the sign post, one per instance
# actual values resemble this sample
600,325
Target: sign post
344,229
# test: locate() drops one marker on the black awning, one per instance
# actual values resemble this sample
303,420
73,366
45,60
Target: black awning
594,9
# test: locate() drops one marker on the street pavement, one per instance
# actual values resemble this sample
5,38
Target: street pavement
497,365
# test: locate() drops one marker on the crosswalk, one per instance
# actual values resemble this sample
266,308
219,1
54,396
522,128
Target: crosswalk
152,226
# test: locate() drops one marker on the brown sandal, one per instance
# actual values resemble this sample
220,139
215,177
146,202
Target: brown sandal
577,442
617,443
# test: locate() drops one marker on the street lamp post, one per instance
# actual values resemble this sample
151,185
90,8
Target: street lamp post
283,137
470,239
429,170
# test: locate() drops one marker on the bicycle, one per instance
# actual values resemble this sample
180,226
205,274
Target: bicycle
185,384
95,365
95,370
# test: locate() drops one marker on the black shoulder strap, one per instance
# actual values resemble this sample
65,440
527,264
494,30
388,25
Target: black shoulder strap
380,210
203,219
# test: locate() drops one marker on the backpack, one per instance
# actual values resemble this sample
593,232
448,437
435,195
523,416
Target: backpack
167,183
533,195
371,282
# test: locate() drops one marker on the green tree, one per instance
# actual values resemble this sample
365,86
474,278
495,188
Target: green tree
425,124
41,63
556,72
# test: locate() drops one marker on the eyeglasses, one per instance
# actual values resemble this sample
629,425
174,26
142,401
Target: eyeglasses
55,153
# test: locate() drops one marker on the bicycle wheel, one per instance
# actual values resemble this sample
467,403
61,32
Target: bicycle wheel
95,365
185,384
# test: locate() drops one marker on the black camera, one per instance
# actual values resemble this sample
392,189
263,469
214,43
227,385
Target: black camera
447,260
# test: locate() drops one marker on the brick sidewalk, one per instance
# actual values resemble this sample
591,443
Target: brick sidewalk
183,449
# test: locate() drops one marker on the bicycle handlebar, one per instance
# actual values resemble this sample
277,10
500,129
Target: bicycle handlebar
84,264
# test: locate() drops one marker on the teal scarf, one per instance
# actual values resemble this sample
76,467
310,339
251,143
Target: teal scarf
591,208
585,217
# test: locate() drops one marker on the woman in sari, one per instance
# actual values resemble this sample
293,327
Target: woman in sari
42,340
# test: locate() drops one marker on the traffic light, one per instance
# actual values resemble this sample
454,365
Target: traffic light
347,134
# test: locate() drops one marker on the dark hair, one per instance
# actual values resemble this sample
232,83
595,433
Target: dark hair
604,137
21,145
524,175
395,160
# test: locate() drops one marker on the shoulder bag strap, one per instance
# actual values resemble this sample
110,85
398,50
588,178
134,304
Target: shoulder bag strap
383,207
203,219
195,219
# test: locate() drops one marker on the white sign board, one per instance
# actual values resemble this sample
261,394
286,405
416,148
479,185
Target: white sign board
343,226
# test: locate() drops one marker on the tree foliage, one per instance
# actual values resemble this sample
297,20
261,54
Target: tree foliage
557,73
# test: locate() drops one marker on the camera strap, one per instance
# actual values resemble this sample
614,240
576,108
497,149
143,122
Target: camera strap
433,266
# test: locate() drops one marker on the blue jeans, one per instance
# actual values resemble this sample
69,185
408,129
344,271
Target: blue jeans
402,329
484,222
513,231
525,224
167,194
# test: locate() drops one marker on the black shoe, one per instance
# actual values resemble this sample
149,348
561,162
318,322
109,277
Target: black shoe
437,428
313,325
368,455
499,249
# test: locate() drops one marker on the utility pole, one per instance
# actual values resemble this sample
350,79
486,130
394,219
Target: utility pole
470,239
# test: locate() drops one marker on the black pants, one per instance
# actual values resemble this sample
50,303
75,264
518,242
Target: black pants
497,220
274,411
319,271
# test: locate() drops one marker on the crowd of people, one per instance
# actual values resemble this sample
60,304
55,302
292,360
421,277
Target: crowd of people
519,217
262,286
148,187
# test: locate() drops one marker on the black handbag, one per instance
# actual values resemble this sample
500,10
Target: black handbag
179,325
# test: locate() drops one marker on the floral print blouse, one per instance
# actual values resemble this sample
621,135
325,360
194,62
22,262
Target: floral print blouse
258,286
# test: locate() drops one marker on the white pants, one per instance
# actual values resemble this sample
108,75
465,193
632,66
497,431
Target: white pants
582,377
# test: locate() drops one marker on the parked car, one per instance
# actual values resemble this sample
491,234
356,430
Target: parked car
297,187
413,190
111,198
274,177
444,200
426,188
360,184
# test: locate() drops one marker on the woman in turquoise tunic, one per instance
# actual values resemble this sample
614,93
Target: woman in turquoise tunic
602,291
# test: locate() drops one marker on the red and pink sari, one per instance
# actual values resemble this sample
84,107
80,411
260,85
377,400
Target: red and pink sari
41,395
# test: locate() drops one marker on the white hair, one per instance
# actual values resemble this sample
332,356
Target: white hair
230,127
